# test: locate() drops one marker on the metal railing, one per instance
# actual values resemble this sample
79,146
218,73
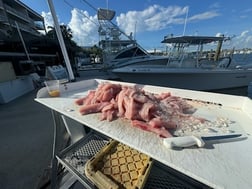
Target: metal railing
16,13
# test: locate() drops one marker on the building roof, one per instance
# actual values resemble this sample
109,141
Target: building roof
31,11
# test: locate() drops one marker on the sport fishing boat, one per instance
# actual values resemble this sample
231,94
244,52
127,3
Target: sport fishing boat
120,49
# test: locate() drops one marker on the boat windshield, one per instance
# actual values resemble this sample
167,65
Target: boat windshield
132,52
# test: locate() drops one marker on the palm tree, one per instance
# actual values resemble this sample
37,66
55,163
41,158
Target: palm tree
71,46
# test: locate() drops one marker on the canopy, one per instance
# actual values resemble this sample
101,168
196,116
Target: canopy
194,40
105,14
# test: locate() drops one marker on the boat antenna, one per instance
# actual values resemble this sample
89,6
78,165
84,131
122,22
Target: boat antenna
135,30
107,4
187,10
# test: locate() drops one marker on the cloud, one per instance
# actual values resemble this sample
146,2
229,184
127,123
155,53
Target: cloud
243,40
84,28
157,17
203,16
47,19
244,33
215,6
245,13
153,18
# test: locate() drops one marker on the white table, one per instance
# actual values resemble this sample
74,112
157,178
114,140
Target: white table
218,165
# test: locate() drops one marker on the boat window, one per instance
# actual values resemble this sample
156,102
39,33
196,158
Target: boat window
133,52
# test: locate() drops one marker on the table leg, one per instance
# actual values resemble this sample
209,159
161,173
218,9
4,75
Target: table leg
54,162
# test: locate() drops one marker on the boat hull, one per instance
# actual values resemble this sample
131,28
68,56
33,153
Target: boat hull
194,79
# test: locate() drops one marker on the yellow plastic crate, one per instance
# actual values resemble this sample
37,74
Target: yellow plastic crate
118,166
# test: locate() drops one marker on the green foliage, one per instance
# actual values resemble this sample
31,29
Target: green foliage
72,47
66,33
95,50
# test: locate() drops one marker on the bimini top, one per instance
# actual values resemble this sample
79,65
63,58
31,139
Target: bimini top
194,40
105,14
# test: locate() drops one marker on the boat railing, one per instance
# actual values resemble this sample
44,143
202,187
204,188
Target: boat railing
177,58
222,62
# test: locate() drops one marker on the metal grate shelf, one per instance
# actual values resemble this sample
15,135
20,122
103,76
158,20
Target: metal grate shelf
75,157
163,177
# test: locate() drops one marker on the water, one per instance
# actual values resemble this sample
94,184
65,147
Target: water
242,59
238,59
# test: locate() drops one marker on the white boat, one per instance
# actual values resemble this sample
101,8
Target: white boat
184,67
186,78
196,70
120,49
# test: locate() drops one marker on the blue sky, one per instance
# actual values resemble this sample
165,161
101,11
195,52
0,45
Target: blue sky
153,19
